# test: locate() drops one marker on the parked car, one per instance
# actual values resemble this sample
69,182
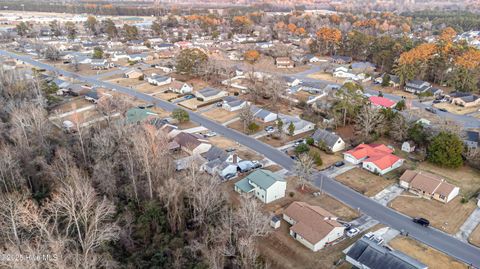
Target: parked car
436,101
422,221
352,232
339,164
293,157
369,235
443,109
256,164
229,176
378,240
269,129
210,134
431,110
298,142
230,149
190,96
219,104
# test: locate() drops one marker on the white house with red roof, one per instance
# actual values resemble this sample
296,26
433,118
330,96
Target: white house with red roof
381,102
375,158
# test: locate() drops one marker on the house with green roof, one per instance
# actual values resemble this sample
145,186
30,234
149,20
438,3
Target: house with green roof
138,115
264,184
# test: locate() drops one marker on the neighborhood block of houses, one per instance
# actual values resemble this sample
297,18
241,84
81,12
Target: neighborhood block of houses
428,185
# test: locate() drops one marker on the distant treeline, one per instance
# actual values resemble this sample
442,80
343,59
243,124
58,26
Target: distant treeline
459,20
126,8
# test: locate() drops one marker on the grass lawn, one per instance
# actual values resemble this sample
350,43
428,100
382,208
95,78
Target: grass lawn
425,254
446,217
363,181
191,104
474,238
457,109
127,82
465,177
167,96
238,125
220,115
147,88
326,76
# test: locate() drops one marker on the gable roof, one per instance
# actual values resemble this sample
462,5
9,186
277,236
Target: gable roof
380,155
428,182
381,101
374,256
208,91
312,222
215,153
188,140
329,138
264,178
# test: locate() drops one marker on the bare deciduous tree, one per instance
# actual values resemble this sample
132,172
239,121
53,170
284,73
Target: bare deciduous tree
369,121
304,169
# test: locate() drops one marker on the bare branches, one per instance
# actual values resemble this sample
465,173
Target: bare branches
304,168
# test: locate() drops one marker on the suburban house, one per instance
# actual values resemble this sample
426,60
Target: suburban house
312,87
180,87
394,80
464,99
341,59
381,102
220,162
93,96
343,72
312,226
232,103
417,86
301,126
363,67
159,80
428,186
192,144
330,140
138,115
210,94
367,254
78,89
263,115
100,64
472,140
311,58
408,146
264,184
284,62
375,158
133,73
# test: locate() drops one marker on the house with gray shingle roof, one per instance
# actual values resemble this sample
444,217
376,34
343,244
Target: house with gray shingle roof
328,139
368,254
264,184
209,94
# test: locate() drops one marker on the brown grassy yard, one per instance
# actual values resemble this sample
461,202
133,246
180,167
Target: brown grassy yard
465,177
326,76
238,125
457,109
363,181
127,82
167,96
446,217
72,104
474,238
286,139
220,115
425,254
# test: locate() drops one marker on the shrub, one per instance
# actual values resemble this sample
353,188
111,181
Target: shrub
310,141
180,115
302,148
253,127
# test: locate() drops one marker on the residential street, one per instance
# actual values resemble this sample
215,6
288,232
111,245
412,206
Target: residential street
435,238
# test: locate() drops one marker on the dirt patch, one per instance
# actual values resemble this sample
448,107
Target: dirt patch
465,177
148,88
127,82
187,125
446,217
274,168
425,254
220,115
457,109
474,238
363,181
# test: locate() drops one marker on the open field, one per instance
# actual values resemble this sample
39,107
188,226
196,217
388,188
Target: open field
457,109
425,254
147,88
474,238
446,217
220,115
363,181
167,96
465,177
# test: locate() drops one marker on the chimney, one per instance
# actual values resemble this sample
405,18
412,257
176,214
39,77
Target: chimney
234,158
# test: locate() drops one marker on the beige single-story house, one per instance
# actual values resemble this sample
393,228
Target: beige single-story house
428,185
312,226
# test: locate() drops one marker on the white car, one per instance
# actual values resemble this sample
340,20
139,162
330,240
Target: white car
352,232
210,134
270,129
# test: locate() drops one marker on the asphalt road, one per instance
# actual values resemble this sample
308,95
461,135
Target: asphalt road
435,238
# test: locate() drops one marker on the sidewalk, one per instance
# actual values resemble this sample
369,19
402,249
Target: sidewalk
469,225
